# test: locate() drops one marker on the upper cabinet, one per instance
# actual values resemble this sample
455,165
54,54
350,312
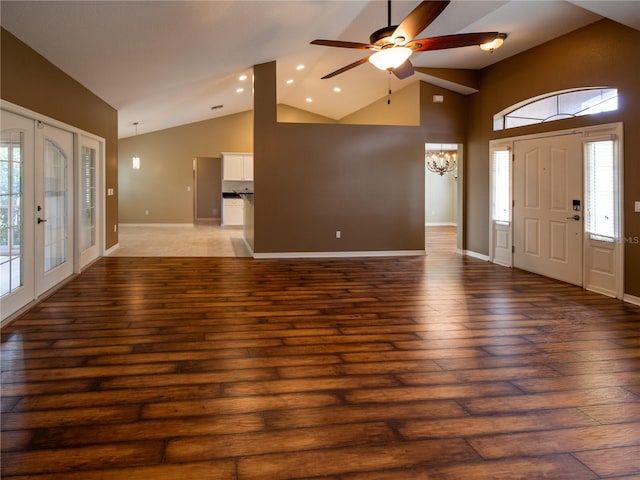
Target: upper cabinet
237,166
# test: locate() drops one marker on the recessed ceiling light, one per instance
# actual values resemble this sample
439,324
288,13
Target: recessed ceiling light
309,99
337,89
290,81
239,90
300,67
242,77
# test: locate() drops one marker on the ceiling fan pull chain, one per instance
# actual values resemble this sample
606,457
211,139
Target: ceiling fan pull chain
389,94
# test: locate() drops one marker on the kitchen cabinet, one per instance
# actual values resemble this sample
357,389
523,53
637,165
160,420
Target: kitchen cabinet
232,212
237,166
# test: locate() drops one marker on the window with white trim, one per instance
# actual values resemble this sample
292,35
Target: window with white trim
556,106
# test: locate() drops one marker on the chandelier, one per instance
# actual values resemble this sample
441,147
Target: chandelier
441,162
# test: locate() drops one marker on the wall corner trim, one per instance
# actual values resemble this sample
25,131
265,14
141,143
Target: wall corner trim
631,299
479,256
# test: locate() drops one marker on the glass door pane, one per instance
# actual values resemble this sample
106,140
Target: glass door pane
11,159
87,198
55,206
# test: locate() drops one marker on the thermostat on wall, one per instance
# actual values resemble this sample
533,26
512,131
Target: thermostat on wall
438,98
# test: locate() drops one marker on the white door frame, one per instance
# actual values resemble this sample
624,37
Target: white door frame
38,117
591,133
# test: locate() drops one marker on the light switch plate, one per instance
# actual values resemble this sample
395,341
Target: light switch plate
637,206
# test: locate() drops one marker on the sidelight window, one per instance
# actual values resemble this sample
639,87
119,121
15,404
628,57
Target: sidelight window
601,217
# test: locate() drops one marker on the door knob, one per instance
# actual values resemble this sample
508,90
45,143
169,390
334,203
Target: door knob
575,217
41,220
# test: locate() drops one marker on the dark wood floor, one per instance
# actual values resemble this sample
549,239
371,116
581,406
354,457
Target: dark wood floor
438,367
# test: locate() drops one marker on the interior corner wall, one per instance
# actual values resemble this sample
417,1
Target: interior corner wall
311,180
31,81
601,54
162,190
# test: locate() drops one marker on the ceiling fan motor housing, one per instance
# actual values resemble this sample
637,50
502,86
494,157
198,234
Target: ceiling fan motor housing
383,37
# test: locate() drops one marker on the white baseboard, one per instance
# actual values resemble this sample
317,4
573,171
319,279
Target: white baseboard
391,253
111,250
631,299
479,256
188,225
440,224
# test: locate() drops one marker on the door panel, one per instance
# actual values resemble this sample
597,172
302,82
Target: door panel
89,218
54,207
547,179
16,214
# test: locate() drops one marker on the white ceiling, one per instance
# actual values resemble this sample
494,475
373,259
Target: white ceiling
166,63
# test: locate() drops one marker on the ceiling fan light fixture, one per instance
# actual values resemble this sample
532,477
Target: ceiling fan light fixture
496,43
390,58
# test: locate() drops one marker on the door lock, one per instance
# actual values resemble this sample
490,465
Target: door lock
575,217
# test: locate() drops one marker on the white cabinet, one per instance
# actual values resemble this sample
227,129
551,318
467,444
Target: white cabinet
237,166
232,212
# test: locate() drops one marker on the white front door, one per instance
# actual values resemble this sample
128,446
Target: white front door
54,207
547,210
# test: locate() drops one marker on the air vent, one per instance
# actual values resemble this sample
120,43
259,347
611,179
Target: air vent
216,107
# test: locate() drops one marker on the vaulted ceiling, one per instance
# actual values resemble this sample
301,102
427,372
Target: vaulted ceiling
167,63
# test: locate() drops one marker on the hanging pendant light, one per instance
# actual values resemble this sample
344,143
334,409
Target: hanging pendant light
135,160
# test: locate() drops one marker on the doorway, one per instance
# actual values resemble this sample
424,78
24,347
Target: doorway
555,206
443,192
207,195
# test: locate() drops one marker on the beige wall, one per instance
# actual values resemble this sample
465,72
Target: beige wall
602,54
289,114
166,157
403,109
31,81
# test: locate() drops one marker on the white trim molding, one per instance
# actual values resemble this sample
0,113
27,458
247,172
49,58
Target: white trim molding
389,253
631,299
477,255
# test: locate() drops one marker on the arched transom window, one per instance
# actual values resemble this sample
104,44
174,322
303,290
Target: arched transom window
556,106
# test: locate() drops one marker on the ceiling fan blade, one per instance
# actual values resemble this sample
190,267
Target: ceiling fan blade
345,68
451,41
341,44
403,71
419,19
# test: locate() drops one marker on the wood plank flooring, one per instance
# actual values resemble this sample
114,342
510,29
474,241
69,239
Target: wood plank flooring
437,367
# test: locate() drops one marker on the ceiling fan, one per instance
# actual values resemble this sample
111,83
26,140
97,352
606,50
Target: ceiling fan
392,45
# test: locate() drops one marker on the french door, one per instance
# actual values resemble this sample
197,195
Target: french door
17,245
54,206
36,210
89,207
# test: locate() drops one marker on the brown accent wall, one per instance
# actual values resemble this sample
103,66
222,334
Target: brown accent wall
31,81
602,54
366,181
166,158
